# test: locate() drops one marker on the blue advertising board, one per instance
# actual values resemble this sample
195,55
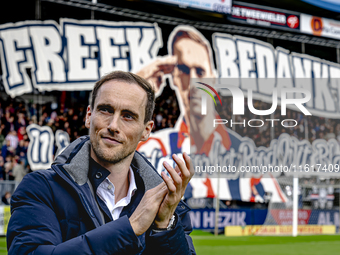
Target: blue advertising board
205,219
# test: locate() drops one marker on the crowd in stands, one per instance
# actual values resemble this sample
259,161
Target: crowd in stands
166,111
15,116
13,140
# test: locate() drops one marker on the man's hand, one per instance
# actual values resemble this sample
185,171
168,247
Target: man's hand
154,72
176,186
146,211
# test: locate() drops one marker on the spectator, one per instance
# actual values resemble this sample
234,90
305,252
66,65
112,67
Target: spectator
18,171
8,168
6,149
9,124
33,110
2,168
21,121
2,137
20,147
159,119
6,199
21,132
13,138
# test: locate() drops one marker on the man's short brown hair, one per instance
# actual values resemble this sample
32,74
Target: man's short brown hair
132,79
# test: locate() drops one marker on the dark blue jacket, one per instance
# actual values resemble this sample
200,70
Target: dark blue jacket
54,211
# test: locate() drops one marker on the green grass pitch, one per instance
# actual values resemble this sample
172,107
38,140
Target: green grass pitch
3,247
208,244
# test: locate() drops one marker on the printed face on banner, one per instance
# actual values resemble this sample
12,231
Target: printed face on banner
193,62
189,58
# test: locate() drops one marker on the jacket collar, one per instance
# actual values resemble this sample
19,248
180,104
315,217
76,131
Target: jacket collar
75,159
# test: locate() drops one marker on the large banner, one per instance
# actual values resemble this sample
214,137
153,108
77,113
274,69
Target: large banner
74,54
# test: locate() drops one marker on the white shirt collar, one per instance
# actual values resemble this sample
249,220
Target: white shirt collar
106,189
